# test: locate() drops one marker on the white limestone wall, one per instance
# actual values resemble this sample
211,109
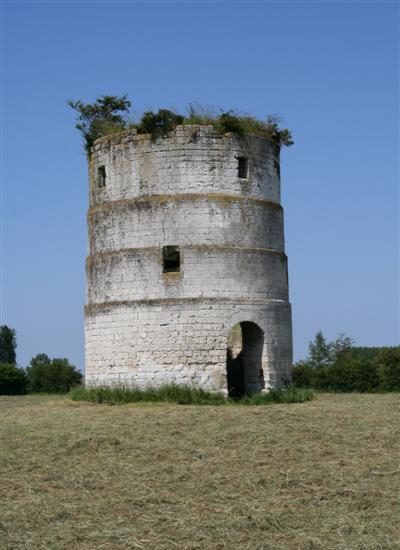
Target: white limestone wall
227,272
149,343
195,159
188,220
144,326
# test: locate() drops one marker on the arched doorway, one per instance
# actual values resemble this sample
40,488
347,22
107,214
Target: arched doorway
244,359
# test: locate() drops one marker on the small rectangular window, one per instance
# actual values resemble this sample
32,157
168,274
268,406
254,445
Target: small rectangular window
243,168
101,176
171,259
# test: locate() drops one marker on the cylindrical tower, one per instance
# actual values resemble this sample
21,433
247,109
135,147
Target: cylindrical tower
186,242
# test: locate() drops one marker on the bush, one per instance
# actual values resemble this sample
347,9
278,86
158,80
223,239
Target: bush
321,378
228,122
364,375
303,375
346,375
159,124
340,377
350,373
51,376
13,380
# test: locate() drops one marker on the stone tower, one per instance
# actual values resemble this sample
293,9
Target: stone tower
186,274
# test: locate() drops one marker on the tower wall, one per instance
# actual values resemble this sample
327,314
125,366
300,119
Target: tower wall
144,326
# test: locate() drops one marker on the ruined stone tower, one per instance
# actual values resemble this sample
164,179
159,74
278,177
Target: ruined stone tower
186,273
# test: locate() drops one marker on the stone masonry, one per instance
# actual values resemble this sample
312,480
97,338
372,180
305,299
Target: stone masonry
216,199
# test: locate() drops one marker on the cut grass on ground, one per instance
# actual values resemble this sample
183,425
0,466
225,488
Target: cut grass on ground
321,474
184,395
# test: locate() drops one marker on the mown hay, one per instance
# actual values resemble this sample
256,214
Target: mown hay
322,474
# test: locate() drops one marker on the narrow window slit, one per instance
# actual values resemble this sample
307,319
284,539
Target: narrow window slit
101,176
171,259
243,167
277,168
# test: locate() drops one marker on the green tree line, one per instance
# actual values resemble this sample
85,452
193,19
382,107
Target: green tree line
342,367
42,375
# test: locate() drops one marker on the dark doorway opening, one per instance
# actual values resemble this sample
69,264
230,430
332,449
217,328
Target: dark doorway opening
244,360
235,374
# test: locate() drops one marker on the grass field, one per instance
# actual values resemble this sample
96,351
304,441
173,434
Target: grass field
322,474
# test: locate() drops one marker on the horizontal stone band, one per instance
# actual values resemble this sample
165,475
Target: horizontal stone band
183,247
149,200
92,308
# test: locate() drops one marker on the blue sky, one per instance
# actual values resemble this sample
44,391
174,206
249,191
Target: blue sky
331,69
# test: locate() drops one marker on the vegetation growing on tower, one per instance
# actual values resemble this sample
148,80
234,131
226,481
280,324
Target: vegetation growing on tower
101,118
108,115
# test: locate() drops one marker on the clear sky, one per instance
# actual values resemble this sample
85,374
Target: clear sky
331,69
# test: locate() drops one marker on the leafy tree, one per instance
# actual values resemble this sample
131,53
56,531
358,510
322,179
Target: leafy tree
366,353
101,117
388,364
319,351
51,376
341,346
37,372
8,345
12,380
